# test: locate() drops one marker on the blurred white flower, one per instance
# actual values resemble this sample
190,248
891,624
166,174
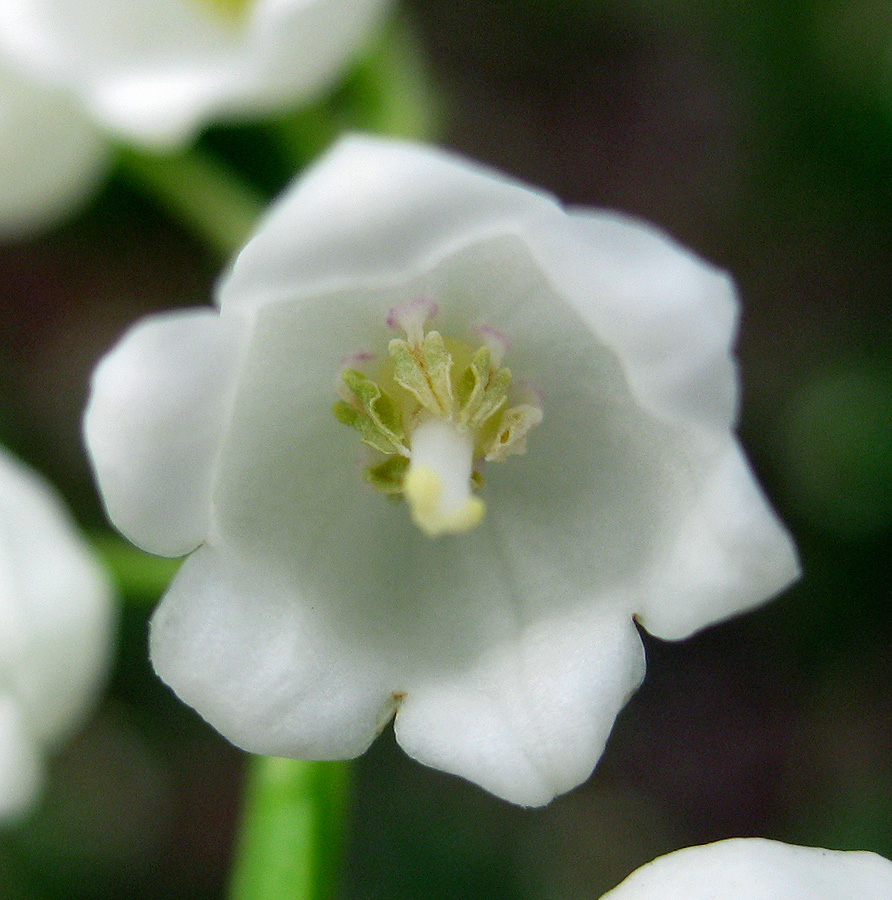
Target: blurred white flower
758,869
51,155
314,607
154,72
55,630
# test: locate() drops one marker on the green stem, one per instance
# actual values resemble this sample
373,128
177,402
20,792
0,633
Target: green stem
303,134
200,192
140,577
291,840
388,92
391,91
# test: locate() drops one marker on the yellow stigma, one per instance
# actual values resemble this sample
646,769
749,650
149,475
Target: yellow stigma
229,11
437,411
423,489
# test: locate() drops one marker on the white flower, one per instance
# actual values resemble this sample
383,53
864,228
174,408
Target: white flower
55,624
758,869
155,71
312,608
51,155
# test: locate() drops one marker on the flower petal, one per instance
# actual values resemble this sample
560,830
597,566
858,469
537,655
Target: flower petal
529,719
264,667
372,209
668,315
730,553
758,869
670,319
156,416
51,155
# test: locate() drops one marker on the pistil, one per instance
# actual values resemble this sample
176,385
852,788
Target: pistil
437,484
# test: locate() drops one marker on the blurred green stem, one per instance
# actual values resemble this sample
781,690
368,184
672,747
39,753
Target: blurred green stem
291,840
200,192
140,577
389,92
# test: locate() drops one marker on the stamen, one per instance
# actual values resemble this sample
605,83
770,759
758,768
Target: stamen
412,316
374,415
482,389
511,438
425,369
497,342
435,424
229,11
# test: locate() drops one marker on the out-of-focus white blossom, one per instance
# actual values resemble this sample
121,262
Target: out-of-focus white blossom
51,155
758,869
154,72
545,404
55,630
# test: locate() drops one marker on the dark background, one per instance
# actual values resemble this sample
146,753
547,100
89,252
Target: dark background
762,137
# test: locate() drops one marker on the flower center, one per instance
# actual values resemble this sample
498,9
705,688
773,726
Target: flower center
436,412
230,11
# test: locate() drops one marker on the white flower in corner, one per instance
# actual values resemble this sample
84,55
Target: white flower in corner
758,869
55,630
155,71
531,446
51,155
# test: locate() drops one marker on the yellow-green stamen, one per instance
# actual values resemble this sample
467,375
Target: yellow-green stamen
437,411
227,10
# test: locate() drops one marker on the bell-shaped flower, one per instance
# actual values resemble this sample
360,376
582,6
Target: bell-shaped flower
400,553
51,155
55,630
759,869
154,72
